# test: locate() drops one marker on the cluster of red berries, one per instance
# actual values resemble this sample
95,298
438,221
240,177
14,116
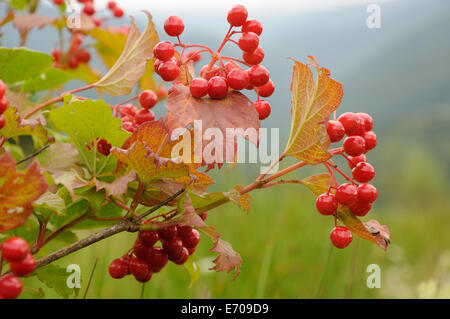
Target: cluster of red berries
3,104
145,259
89,9
74,56
216,80
16,251
359,198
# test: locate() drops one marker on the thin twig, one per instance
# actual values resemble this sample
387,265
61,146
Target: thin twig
90,279
34,154
163,203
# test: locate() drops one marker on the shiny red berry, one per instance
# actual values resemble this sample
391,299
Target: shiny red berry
84,56
354,145
363,172
112,5
254,57
252,26
168,233
191,250
237,15
23,267
353,124
198,87
148,237
173,247
341,237
141,251
238,79
174,26
182,256
367,193
335,131
146,278
15,249
164,50
354,160
184,230
266,90
58,2
138,268
368,121
370,140
148,99
56,55
144,116
360,209
89,8
192,239
10,287
263,109
346,194
73,62
3,104
248,41
118,268
258,75
326,204
217,87
118,12
158,259
230,66
169,70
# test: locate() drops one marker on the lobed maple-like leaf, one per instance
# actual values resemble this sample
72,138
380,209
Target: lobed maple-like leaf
18,191
312,104
24,23
16,126
228,259
371,231
130,66
117,188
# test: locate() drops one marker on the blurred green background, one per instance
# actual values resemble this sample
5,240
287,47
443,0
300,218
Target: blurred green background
400,74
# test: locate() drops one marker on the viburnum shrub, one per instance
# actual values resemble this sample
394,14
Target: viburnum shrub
116,167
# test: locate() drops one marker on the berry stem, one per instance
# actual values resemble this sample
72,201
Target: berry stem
331,164
235,60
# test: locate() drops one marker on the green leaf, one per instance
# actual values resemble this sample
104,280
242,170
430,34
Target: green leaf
15,126
109,44
85,122
29,292
55,277
20,64
72,212
47,80
85,73
49,204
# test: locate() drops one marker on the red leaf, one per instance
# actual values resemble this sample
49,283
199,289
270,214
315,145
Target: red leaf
228,259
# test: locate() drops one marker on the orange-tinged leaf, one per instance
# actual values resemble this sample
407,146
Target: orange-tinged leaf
15,126
228,259
130,66
118,188
18,191
242,200
312,104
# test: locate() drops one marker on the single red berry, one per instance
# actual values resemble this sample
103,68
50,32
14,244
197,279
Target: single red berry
2,89
15,249
56,55
266,90
341,237
168,233
248,41
214,71
148,237
353,124
3,104
2,121
103,147
83,56
158,258
184,231
367,193
258,75
254,57
263,109
112,5
118,12
199,87
145,278
118,268
169,70
23,267
58,2
368,121
174,26
10,287
363,172
230,66
156,65
360,209
161,93
370,140
204,216
335,131
73,62
138,267
252,26
97,21
217,87
326,204
148,99
354,160
141,251
191,250
192,239
237,15
354,145
173,247
76,41
182,256
238,79
163,50
143,116
128,110
346,194
89,8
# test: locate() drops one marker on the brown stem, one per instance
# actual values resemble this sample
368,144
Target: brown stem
34,154
63,229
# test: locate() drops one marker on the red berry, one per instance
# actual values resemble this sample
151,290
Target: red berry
118,12
199,87
10,287
237,15
156,65
2,89
148,99
252,26
168,233
58,2
353,124
191,250
3,104
163,50
367,193
370,140
363,172
143,116
103,147
204,216
368,121
73,62
184,230
248,41
354,145
146,278
23,267
89,8
326,204
174,26
335,131
162,93
254,57
341,237
173,247
56,55
214,71
217,87
97,21
15,249
182,256
2,122
192,239
112,5
263,109
83,56
138,268
258,75
230,66
148,237
118,268
141,251
238,79
266,90
346,194
158,259
360,209
354,160
169,70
